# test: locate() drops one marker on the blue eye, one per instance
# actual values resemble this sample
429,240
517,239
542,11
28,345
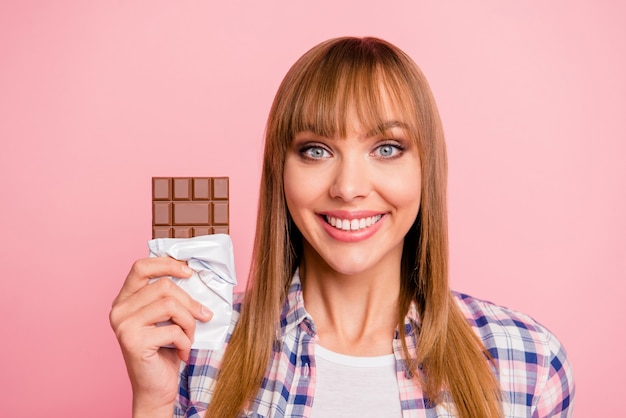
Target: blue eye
388,150
315,152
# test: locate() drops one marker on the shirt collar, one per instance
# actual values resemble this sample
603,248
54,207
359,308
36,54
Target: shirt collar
294,313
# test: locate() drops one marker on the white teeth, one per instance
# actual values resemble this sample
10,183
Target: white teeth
354,224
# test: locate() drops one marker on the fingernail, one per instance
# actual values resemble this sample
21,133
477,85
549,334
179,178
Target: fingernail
206,312
187,269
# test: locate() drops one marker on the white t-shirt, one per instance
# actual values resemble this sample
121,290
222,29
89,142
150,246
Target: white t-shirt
350,386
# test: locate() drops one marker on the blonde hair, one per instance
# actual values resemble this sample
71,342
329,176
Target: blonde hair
337,76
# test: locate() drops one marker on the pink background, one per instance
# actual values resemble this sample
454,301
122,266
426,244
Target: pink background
96,97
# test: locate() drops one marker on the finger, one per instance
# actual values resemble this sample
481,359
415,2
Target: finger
149,268
161,289
156,302
168,309
134,330
177,339
151,340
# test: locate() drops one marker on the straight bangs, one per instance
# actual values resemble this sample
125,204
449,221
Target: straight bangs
349,81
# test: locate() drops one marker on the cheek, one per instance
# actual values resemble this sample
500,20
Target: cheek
296,187
408,199
289,194
303,185
299,202
405,193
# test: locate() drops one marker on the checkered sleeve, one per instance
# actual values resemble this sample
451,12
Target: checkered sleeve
196,383
198,375
556,396
532,366
182,400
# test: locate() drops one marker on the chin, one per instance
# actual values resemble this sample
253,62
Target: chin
349,269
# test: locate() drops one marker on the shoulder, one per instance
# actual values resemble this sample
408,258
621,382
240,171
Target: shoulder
503,330
492,321
531,362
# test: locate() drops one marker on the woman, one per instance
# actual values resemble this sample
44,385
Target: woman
348,310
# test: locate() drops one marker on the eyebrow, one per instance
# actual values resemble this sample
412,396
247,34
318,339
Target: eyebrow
387,126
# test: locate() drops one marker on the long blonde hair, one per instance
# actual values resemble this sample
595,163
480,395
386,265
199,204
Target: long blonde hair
330,79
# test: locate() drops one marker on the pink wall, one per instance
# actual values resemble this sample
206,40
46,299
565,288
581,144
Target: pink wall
96,97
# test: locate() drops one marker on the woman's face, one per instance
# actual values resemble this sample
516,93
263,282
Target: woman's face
354,198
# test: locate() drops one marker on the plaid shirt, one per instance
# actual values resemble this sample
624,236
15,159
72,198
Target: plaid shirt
534,373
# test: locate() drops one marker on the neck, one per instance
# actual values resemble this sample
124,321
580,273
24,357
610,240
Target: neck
354,314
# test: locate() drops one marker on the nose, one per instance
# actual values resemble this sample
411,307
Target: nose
351,179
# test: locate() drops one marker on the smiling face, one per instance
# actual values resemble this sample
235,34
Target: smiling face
351,97
354,197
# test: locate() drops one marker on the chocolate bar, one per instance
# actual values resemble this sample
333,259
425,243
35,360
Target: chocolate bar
185,207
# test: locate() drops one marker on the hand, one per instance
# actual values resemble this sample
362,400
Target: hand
140,305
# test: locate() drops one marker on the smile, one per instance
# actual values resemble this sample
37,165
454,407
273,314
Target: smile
352,224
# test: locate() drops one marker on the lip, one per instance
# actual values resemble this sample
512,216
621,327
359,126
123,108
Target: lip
346,214
351,236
